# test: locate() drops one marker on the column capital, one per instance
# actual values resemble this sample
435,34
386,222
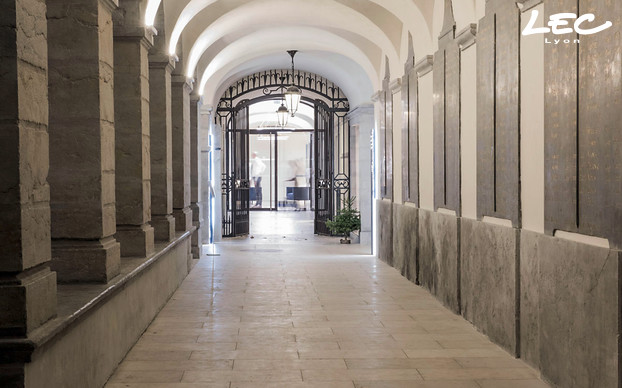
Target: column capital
142,34
162,61
111,5
183,81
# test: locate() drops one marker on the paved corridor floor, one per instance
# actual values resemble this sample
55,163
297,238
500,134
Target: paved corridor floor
310,314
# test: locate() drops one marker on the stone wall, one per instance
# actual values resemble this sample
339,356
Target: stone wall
553,302
84,352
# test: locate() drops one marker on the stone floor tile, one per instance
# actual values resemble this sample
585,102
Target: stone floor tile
532,383
147,376
362,375
283,317
402,363
416,384
478,374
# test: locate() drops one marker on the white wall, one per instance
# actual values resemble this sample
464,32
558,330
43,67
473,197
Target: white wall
468,136
532,128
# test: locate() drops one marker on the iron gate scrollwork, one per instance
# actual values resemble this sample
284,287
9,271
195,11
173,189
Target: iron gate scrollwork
331,144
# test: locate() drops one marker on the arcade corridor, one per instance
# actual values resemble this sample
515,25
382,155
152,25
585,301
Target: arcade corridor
317,315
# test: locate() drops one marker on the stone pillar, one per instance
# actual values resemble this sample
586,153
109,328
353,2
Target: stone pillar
195,172
132,145
82,151
361,124
27,286
180,93
160,69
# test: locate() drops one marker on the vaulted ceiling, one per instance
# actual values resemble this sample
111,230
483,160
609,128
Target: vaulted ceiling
346,41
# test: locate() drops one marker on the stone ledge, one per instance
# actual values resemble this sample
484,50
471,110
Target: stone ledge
76,301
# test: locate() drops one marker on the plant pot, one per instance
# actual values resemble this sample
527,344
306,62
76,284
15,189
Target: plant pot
345,241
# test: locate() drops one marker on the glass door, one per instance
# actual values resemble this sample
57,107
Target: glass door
263,174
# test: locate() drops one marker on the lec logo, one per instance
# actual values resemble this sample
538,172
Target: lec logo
557,23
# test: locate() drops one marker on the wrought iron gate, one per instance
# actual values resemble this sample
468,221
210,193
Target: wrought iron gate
235,179
331,172
323,168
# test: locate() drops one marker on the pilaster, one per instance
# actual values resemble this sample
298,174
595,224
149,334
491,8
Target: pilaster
82,140
132,131
160,113
195,172
180,92
27,286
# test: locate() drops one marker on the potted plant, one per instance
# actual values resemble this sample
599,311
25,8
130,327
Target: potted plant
347,220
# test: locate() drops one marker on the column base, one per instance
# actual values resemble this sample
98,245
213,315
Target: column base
90,261
27,301
196,222
135,240
183,219
163,227
195,240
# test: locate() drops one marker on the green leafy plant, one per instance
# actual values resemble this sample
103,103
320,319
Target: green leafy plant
347,220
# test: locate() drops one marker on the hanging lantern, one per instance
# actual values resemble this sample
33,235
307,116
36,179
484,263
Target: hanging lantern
292,98
293,93
283,115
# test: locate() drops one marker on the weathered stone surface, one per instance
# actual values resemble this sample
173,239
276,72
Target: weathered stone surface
27,302
180,92
87,260
136,241
405,236
570,306
161,138
107,330
498,113
132,132
439,244
385,231
82,138
582,132
27,287
488,289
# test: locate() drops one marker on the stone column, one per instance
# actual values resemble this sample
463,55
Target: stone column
181,89
361,124
195,172
160,69
27,286
82,150
131,106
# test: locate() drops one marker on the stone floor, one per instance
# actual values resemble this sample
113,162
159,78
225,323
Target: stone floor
308,312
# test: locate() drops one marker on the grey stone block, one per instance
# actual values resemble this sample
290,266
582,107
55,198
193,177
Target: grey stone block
438,256
405,236
385,231
570,307
488,289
